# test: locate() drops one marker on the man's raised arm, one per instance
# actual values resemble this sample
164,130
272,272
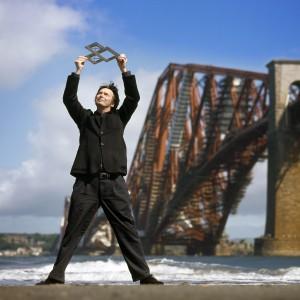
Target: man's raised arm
70,99
131,91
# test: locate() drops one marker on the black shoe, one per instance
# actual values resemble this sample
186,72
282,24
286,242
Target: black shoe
150,280
49,281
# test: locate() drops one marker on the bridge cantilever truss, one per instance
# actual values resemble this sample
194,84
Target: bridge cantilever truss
204,131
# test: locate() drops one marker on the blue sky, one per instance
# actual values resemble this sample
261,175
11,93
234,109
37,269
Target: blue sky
39,42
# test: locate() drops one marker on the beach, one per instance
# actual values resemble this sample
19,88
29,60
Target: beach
151,292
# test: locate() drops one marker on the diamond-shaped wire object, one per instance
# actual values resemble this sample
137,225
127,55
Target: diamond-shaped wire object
95,57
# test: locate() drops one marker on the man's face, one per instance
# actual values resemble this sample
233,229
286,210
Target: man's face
105,98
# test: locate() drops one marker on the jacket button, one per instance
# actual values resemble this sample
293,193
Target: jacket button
102,144
101,132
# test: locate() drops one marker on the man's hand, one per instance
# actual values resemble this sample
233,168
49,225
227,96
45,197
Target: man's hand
79,63
122,61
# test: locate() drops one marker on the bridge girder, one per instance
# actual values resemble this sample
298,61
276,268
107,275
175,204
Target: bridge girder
204,131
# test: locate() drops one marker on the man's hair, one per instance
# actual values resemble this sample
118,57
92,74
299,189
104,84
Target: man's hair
114,89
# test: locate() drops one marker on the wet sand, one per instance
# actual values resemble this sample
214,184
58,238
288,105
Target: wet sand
174,292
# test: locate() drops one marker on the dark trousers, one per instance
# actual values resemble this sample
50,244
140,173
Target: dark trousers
87,196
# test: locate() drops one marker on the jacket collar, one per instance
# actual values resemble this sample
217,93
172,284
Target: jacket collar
97,117
96,112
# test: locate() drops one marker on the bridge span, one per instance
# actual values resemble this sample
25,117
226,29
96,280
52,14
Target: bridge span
205,129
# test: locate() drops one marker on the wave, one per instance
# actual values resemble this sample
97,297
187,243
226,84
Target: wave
173,271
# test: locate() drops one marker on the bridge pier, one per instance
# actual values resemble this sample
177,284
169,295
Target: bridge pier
282,232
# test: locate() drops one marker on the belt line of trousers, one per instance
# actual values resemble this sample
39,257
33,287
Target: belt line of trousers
89,193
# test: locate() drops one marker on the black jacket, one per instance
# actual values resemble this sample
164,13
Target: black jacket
98,137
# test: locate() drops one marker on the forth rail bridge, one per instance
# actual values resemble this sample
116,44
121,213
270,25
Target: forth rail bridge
205,129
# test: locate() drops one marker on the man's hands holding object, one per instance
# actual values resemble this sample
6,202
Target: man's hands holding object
80,61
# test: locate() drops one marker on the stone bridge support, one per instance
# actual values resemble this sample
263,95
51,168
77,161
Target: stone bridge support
282,232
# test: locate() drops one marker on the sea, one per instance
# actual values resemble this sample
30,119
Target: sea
173,270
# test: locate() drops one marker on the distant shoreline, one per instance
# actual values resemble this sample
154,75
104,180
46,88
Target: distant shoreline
38,244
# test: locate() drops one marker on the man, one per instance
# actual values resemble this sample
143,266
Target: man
99,167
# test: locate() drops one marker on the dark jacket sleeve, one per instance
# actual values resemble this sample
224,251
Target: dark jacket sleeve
132,97
75,109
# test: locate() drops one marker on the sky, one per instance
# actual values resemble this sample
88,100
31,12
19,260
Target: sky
39,41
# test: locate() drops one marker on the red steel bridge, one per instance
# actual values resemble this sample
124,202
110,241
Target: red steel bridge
205,129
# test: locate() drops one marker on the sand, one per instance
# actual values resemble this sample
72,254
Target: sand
132,292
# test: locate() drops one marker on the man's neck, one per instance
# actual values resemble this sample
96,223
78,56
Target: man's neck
101,111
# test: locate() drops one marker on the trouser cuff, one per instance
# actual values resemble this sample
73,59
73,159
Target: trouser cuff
141,277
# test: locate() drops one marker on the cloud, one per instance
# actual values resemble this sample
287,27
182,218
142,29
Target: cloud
255,199
249,226
249,222
32,32
39,185
29,224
